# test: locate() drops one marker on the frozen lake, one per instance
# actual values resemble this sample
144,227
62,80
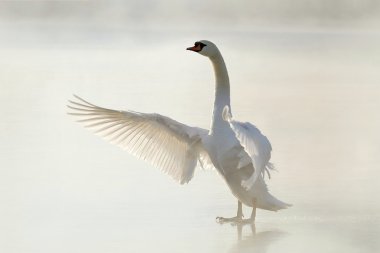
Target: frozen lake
315,94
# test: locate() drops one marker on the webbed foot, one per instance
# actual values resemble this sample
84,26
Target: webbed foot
234,220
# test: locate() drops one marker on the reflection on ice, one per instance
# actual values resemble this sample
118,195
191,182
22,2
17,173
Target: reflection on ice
254,242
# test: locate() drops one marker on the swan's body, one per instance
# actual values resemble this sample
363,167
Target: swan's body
238,151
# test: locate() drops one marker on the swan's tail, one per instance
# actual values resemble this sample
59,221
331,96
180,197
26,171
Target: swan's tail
269,202
272,204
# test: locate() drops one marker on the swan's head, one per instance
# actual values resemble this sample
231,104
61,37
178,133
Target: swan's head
204,47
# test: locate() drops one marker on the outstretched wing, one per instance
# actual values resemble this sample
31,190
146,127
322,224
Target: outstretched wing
254,143
167,144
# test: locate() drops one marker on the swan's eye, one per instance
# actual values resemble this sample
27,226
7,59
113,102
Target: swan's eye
202,45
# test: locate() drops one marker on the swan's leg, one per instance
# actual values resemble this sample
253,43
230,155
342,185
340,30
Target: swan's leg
253,214
237,219
239,213
250,220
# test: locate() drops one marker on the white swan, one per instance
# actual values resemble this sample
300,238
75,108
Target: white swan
238,151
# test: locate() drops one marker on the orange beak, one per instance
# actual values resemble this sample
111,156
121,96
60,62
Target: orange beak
196,48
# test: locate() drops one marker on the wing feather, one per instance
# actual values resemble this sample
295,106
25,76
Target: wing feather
167,144
254,143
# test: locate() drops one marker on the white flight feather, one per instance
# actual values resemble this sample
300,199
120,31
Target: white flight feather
173,147
254,143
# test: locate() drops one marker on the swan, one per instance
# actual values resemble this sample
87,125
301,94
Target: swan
237,150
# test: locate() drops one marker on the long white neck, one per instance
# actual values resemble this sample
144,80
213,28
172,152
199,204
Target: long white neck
222,91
